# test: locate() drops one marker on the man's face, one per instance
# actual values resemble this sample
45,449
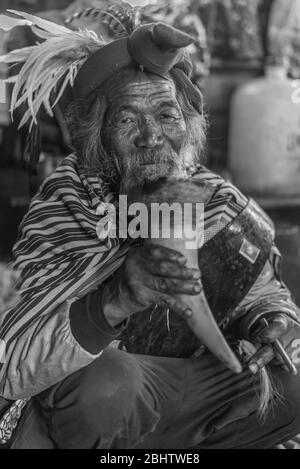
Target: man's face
145,130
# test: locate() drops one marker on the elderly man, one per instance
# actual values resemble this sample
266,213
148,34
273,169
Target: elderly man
137,118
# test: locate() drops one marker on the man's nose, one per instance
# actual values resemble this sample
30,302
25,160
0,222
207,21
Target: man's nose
150,135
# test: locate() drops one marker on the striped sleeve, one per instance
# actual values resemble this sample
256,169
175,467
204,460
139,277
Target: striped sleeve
226,203
267,296
59,257
35,363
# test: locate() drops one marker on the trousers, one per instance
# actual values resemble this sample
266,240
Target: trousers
124,400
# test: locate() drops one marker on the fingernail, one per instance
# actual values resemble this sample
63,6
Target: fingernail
163,302
188,313
196,275
197,288
182,260
253,368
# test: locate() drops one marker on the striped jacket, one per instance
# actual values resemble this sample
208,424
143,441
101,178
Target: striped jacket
60,258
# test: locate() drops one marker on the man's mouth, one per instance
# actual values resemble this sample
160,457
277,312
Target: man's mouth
157,163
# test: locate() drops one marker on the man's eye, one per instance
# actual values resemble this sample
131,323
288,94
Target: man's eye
126,120
168,117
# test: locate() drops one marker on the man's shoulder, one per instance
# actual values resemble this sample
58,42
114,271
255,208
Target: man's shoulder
68,165
223,187
225,203
207,176
64,177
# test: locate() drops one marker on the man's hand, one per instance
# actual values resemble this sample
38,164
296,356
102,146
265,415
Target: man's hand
281,327
150,274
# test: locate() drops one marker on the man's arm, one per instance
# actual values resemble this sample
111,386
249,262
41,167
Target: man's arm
74,334
49,351
268,296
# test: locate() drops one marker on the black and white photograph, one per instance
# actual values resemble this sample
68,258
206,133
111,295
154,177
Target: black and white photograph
149,228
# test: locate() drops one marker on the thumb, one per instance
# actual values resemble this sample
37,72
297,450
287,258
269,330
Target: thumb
273,330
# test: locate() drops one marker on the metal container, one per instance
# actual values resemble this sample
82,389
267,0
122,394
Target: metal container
264,136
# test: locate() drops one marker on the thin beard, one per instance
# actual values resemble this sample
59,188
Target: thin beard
133,177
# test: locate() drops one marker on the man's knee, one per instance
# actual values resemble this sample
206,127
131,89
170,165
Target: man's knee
103,403
111,382
287,405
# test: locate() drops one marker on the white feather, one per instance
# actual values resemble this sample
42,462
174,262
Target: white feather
11,79
17,55
50,26
48,66
7,22
41,33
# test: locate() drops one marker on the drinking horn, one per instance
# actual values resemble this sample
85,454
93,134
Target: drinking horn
183,231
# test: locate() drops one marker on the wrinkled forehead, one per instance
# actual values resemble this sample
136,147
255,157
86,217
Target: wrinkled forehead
142,86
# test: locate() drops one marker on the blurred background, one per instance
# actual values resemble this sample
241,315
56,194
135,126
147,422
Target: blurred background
247,63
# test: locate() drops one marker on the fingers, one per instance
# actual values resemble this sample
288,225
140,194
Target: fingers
172,270
175,306
168,273
171,286
261,358
277,326
156,252
158,270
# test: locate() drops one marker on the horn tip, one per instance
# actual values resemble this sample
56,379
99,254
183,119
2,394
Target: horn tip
236,367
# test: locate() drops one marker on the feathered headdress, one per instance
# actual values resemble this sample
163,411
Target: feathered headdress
47,64
83,60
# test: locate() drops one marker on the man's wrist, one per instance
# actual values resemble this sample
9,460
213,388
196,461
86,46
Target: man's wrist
269,316
88,324
116,307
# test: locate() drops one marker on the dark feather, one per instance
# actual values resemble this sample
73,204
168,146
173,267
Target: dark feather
32,148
